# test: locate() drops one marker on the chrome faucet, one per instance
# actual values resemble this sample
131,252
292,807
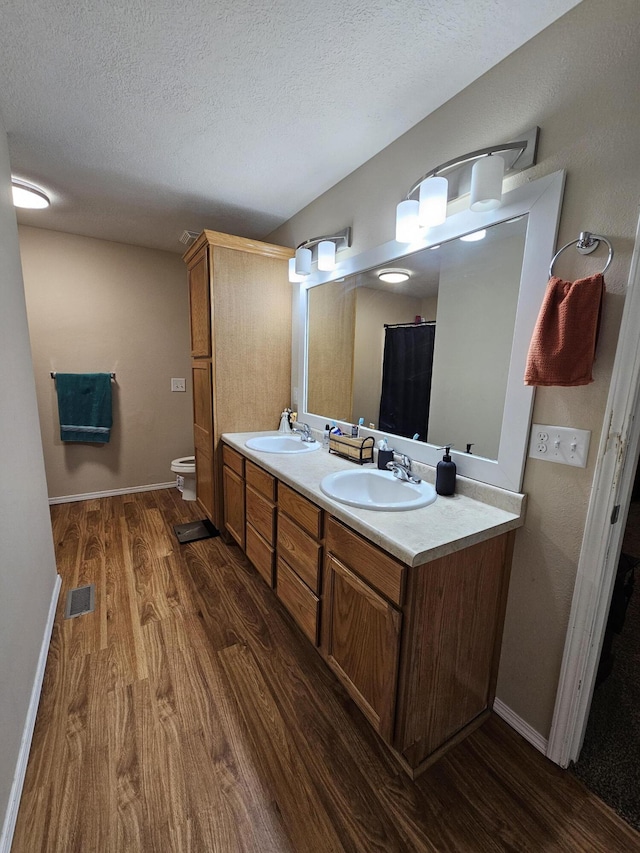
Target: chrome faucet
305,432
401,468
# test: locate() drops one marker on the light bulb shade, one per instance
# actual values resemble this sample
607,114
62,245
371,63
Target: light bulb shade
486,183
303,261
433,202
293,276
28,196
326,255
407,227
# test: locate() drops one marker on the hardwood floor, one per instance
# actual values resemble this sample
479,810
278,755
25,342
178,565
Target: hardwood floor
188,713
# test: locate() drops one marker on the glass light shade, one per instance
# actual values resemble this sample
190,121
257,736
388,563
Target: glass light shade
407,228
26,195
293,276
326,255
433,202
303,261
486,183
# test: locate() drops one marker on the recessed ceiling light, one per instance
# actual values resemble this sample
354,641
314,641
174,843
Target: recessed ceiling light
393,276
28,195
476,235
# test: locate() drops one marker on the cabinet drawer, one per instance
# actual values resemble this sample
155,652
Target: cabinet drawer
260,480
261,555
379,569
306,514
301,603
233,459
302,553
261,513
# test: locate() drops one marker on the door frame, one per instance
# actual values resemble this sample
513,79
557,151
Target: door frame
602,542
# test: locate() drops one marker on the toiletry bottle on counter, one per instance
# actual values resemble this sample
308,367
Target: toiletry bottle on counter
446,473
355,429
385,454
325,437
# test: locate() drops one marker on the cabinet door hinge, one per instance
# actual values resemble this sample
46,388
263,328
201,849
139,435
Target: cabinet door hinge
615,513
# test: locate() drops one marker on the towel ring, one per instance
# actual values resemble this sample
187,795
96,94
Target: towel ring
586,243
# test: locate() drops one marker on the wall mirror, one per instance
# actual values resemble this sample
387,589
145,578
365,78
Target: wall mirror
439,358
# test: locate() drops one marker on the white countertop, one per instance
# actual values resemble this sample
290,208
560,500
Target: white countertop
475,513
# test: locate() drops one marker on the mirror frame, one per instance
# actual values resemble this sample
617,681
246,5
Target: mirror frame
541,199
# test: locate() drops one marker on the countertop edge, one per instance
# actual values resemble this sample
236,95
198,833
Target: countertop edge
499,521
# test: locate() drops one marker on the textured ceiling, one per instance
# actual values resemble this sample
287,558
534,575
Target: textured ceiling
144,118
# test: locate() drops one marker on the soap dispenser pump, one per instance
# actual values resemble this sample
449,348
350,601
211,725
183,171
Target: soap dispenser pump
446,473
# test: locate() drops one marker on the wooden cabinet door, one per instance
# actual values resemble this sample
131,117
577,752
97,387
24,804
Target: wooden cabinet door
206,491
362,633
234,516
202,404
200,307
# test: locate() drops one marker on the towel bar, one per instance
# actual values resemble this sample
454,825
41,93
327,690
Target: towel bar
54,374
586,243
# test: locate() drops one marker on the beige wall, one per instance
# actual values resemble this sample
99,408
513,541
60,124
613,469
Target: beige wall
330,350
477,297
96,306
27,562
374,308
580,81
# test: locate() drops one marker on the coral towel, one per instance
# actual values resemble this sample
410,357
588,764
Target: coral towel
562,349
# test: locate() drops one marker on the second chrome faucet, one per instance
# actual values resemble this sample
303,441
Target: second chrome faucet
401,467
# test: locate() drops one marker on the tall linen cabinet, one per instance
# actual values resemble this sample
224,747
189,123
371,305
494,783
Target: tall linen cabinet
240,310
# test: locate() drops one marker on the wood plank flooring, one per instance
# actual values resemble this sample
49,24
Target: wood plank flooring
188,714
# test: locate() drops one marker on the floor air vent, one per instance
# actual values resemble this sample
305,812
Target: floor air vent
80,601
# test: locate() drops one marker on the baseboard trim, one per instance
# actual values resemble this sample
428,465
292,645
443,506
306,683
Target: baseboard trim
15,794
131,490
523,728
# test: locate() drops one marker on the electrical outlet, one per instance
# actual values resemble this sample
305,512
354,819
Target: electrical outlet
178,385
560,444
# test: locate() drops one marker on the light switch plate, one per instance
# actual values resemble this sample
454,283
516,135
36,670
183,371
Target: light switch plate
560,444
178,385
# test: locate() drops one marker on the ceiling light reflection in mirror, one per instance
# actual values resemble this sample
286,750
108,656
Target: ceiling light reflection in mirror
471,291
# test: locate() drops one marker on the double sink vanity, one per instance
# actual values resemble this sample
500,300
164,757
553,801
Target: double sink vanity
401,592
406,605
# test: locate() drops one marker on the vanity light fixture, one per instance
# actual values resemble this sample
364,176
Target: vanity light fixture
325,254
393,276
450,180
486,183
28,195
474,236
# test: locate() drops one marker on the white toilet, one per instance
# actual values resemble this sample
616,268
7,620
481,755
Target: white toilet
185,468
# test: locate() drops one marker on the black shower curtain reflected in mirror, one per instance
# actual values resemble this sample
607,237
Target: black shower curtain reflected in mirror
406,380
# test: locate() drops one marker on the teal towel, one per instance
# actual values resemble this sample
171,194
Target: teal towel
84,406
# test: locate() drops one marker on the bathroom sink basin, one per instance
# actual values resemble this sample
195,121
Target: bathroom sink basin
281,444
379,490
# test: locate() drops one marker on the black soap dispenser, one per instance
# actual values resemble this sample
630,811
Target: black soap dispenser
446,473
